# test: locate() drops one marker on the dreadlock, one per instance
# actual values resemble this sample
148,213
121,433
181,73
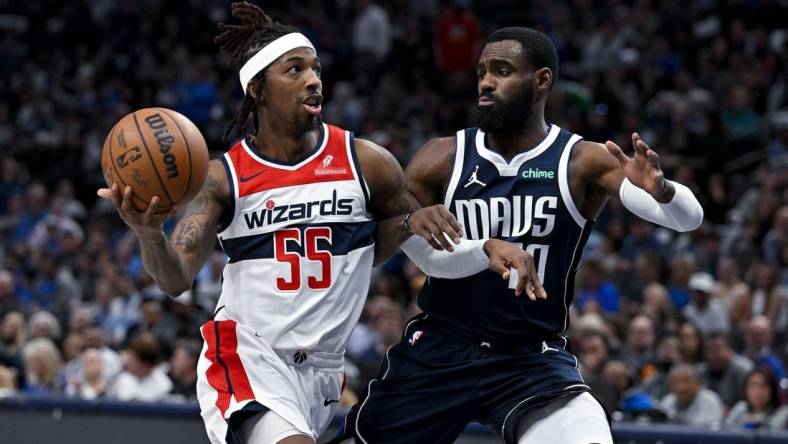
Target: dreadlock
241,42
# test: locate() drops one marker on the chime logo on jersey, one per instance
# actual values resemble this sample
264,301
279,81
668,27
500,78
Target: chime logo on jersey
510,216
275,214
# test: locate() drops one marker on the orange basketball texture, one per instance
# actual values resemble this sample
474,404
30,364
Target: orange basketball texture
158,152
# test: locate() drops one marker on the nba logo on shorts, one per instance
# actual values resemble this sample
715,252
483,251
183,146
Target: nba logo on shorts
416,335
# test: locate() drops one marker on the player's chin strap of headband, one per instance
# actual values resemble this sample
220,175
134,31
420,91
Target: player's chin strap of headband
271,52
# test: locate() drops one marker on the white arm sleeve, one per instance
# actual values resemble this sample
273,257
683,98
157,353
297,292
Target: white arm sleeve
468,258
683,213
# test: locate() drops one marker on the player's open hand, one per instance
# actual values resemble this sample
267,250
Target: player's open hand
642,170
434,224
506,255
142,222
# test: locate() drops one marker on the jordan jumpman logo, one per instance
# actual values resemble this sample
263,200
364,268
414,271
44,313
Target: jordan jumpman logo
474,179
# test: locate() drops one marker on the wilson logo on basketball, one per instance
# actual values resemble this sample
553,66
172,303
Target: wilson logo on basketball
326,169
165,140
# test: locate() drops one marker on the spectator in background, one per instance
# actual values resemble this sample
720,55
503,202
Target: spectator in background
90,383
758,346
688,401
732,291
691,343
654,377
73,345
13,335
640,342
768,298
111,363
457,38
776,238
656,304
8,386
707,313
42,364
44,325
723,371
142,379
760,408
8,300
372,34
209,281
183,370
682,269
596,290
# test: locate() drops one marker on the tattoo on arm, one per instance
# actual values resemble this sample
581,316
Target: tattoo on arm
189,230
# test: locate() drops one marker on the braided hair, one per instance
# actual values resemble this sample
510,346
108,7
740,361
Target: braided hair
242,41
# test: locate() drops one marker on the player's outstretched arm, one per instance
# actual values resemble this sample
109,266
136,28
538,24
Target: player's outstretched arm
174,263
642,187
390,203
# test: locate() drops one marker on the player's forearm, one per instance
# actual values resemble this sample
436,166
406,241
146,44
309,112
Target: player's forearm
681,212
467,259
163,263
389,235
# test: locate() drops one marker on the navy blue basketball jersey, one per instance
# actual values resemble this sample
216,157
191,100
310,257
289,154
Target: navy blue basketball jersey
525,201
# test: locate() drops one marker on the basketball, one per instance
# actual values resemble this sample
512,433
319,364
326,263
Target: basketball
158,152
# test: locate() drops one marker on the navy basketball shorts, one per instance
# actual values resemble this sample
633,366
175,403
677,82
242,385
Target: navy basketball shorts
433,383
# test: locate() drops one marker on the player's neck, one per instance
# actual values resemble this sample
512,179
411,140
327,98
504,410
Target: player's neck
511,143
283,142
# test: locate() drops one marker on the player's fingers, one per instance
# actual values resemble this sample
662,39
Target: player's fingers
128,195
437,234
452,222
448,234
117,199
498,267
616,151
653,157
150,212
522,276
427,236
104,193
539,291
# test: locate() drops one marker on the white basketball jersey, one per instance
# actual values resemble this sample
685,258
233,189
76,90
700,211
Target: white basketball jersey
300,244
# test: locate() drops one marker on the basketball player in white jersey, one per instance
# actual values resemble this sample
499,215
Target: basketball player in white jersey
295,207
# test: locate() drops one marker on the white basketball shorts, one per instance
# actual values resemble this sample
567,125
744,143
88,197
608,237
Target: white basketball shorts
239,375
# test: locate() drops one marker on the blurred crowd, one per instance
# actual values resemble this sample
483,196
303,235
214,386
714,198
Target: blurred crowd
689,328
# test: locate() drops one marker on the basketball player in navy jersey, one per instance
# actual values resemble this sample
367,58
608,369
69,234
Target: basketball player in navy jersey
477,353
295,207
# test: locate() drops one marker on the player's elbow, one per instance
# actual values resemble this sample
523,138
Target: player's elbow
693,222
175,289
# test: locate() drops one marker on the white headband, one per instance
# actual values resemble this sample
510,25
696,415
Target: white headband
271,52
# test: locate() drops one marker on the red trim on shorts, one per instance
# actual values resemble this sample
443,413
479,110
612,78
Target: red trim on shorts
226,373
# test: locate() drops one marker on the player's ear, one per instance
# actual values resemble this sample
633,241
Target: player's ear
543,78
255,91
